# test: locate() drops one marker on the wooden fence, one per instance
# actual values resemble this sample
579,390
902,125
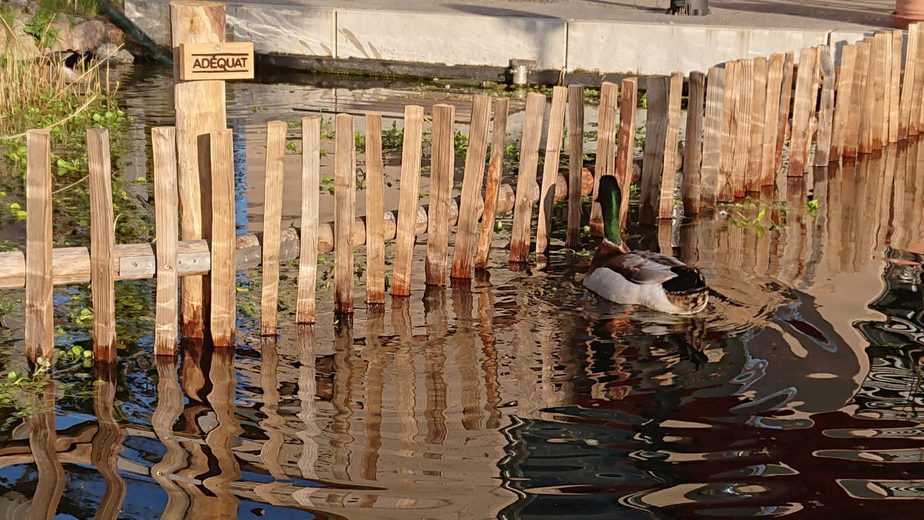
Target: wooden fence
740,115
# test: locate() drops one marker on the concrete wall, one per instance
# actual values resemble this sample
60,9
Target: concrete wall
435,38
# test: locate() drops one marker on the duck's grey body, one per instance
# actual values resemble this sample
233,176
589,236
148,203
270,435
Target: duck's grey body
652,280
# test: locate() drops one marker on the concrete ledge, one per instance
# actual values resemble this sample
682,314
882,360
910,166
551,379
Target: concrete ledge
295,30
450,39
479,46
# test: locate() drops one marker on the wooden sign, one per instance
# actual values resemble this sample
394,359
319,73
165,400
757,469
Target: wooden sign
206,61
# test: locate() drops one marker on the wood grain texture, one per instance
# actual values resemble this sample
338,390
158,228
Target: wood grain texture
693,144
442,171
472,181
493,182
375,212
224,240
744,88
604,157
758,112
575,163
868,101
786,92
526,178
166,233
200,109
803,108
102,241
857,96
407,206
879,115
917,104
895,83
712,135
770,115
655,136
550,168
344,212
908,81
272,224
725,192
306,303
844,95
671,158
826,112
39,312
625,152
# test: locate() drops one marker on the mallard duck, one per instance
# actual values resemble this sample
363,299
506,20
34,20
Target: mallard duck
652,280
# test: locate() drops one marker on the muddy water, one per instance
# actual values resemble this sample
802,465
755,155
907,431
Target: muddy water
797,393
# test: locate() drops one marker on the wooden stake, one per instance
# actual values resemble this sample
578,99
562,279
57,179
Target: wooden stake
272,224
826,113
467,229
693,144
224,240
345,212
868,101
102,240
550,168
858,95
758,113
200,109
771,115
882,45
306,305
671,155
603,160
442,171
166,232
39,332
724,192
803,109
526,178
655,150
908,82
375,212
785,107
492,188
917,106
575,163
745,90
407,207
895,80
625,152
844,98
712,135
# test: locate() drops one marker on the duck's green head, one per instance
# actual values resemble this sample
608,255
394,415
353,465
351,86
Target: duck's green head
609,195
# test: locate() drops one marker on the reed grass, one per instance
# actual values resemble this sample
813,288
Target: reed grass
42,92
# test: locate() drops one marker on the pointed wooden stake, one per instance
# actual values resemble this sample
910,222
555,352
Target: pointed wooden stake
39,332
550,168
526,178
344,212
407,206
493,183
224,240
272,224
442,172
575,162
102,241
166,233
375,212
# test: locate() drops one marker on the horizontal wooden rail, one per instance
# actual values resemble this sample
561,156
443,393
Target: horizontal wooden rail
71,265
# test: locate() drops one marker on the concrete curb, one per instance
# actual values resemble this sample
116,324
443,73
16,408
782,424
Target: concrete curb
431,44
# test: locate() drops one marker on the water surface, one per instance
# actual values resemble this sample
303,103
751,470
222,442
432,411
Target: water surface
796,394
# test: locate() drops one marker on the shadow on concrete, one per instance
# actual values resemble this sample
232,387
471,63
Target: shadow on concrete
867,15
485,10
